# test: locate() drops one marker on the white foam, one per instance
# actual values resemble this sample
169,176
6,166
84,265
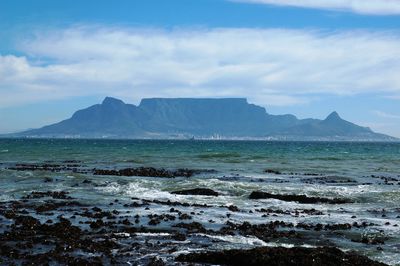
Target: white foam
123,234
238,240
186,251
152,234
252,241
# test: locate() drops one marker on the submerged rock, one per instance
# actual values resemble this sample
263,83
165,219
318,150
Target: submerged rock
297,256
298,198
50,194
272,171
193,227
197,191
100,235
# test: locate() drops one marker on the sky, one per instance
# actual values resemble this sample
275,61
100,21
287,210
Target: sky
304,57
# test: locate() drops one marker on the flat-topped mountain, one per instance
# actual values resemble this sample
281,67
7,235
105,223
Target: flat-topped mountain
199,118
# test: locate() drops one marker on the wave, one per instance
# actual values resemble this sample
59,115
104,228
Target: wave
253,241
219,155
328,158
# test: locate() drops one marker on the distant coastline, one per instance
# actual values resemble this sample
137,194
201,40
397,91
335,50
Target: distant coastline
199,118
267,139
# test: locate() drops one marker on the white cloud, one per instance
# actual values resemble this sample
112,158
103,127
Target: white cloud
269,66
385,115
391,129
373,7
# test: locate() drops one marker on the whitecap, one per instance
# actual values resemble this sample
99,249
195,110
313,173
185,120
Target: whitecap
152,234
123,234
186,251
238,240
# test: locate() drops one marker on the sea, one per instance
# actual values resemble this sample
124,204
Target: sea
366,174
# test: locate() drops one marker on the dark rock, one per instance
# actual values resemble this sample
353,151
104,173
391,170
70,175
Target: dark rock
97,224
154,221
297,198
96,209
156,262
179,237
280,256
126,222
52,205
197,191
184,216
193,227
27,222
146,171
233,208
50,194
265,232
271,171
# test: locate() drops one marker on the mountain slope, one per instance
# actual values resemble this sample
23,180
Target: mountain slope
333,125
204,118
111,118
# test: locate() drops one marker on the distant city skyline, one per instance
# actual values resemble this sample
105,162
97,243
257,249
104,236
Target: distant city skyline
307,58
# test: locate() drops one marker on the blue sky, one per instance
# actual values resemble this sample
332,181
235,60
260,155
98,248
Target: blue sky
303,57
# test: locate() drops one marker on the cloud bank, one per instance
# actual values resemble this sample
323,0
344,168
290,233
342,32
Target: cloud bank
269,66
385,114
371,7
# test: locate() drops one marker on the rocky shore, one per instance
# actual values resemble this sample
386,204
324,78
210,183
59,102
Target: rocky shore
188,225
47,227
280,256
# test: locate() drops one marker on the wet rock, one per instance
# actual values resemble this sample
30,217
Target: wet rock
50,167
96,209
271,171
197,191
50,194
280,256
126,222
154,222
233,208
184,216
265,232
48,179
193,227
176,203
147,171
372,240
296,198
328,180
97,224
53,205
156,262
295,212
335,227
179,237
10,214
27,222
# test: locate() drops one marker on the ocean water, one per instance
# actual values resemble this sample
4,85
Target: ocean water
368,174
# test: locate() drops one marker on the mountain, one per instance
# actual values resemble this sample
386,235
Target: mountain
200,118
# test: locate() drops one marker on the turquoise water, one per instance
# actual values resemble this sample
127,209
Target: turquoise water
355,171
353,159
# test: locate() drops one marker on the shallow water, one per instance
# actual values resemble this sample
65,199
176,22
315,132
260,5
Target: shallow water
366,173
